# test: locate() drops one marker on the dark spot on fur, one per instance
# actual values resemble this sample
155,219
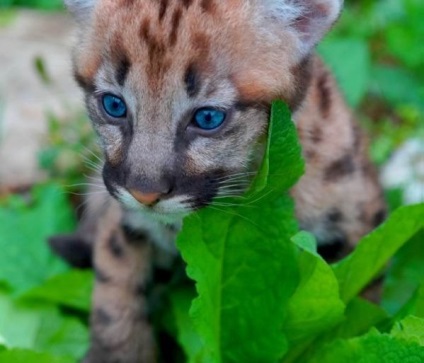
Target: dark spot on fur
162,9
208,6
115,246
340,168
379,218
335,215
176,20
134,236
100,275
140,289
86,84
231,131
122,70
310,154
187,3
368,170
362,213
324,92
158,63
201,47
357,137
316,134
127,3
102,317
145,30
333,250
244,105
303,75
191,81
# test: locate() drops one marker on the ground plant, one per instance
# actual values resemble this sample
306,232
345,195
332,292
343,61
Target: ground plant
258,292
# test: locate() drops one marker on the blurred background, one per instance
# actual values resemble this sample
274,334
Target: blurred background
47,150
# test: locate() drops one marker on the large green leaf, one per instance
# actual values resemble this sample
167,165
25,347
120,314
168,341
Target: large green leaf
25,259
376,249
244,263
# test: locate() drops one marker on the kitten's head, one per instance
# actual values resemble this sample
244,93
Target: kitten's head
179,90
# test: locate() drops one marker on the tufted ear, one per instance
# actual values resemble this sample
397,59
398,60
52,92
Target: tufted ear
309,20
81,9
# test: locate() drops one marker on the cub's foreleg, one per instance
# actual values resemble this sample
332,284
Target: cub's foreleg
119,325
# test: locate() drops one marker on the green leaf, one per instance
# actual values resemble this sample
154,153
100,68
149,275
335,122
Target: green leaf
352,71
26,356
405,275
244,263
41,69
41,327
72,289
316,305
417,304
408,89
371,348
360,316
376,249
186,334
411,329
26,260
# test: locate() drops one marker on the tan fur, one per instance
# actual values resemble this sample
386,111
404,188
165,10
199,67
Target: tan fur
120,328
354,190
167,58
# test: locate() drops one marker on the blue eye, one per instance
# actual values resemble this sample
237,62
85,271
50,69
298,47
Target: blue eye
114,106
209,118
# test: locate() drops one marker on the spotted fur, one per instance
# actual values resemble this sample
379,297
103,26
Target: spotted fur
168,58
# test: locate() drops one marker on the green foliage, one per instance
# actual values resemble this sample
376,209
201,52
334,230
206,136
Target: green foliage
40,4
371,348
353,72
375,250
79,285
27,356
37,284
286,304
25,260
224,252
316,305
405,275
376,54
262,293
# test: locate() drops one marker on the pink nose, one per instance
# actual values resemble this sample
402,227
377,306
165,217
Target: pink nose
146,199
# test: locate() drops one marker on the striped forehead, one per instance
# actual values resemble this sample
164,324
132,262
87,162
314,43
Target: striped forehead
161,37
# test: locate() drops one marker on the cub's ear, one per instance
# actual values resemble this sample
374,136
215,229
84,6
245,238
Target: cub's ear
308,20
81,9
